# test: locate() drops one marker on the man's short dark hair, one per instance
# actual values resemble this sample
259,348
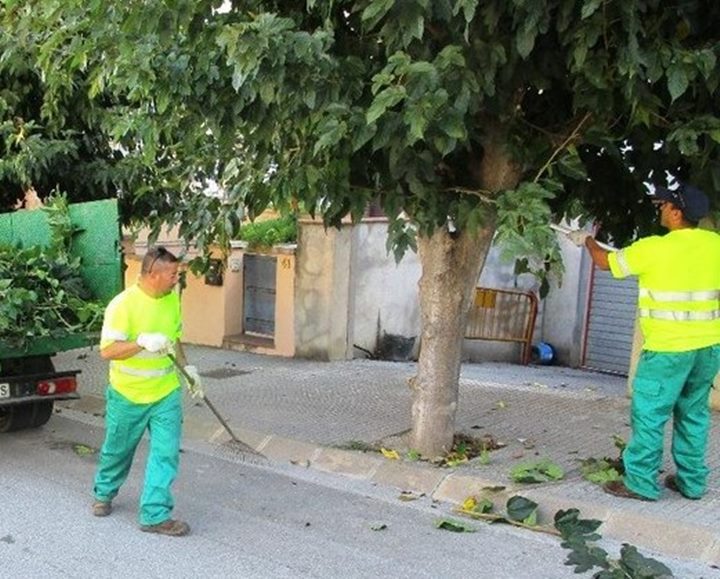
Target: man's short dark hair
154,255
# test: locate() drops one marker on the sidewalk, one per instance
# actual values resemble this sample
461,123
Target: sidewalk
308,412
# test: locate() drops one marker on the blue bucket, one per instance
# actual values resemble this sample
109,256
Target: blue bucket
543,354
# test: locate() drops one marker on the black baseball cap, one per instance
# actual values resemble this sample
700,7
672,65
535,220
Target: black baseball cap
693,203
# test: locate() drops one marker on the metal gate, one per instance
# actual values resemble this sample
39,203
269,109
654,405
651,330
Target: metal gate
610,322
259,295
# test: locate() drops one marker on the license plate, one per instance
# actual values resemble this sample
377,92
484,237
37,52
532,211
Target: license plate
5,390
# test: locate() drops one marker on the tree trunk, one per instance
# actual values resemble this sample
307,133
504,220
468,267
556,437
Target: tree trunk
450,268
451,265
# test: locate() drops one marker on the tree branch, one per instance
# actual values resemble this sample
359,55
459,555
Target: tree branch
564,144
492,517
483,194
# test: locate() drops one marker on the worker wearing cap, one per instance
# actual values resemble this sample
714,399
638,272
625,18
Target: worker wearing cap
679,311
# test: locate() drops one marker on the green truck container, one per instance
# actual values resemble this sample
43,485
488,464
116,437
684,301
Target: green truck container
29,384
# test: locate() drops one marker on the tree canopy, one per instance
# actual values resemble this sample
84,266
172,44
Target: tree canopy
45,149
462,119
338,103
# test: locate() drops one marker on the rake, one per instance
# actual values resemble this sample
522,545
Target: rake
240,445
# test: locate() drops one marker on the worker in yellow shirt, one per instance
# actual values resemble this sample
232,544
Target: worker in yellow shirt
679,311
141,326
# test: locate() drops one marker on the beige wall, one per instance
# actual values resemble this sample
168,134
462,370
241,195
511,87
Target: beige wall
283,342
213,315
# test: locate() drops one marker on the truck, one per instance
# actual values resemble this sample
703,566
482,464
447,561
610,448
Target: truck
29,384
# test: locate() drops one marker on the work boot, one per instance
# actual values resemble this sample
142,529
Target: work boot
672,484
618,488
102,508
171,527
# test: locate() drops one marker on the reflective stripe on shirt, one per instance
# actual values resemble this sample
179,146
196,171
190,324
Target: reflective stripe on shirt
145,355
141,372
671,296
622,264
679,316
109,335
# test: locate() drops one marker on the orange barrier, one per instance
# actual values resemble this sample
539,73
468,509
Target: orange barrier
504,316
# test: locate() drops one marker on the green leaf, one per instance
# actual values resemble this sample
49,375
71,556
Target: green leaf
383,101
413,28
707,62
332,132
412,455
454,127
83,450
637,565
619,442
468,8
525,41
375,11
522,510
444,145
484,457
569,523
570,164
484,506
589,8
678,81
536,472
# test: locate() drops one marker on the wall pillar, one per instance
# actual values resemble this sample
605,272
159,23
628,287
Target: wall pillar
322,291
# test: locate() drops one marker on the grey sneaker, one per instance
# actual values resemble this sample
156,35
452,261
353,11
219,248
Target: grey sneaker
171,527
102,508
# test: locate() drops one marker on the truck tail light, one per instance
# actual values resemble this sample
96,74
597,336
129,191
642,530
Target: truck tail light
57,386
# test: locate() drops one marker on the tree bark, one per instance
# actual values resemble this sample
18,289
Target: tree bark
451,264
450,268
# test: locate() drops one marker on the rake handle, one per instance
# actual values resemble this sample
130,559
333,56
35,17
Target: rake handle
204,398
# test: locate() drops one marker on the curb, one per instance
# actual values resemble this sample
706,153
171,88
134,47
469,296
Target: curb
622,520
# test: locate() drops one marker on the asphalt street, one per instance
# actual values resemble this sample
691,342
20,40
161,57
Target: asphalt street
247,521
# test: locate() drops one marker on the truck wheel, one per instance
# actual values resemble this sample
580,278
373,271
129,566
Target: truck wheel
16,417
42,412
19,416
33,414
5,419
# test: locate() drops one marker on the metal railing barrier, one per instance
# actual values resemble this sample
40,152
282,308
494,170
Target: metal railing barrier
504,316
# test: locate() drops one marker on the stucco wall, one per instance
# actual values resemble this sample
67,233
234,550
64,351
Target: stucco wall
340,292
564,308
383,293
322,291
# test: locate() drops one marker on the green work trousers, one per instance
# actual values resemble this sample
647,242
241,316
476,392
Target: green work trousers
125,424
669,384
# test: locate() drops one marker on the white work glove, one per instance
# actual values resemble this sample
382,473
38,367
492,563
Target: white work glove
195,382
156,343
578,236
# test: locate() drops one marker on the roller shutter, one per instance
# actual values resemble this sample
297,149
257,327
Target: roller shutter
610,323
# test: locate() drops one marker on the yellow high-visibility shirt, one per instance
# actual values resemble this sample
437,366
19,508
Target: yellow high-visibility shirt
679,280
145,377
